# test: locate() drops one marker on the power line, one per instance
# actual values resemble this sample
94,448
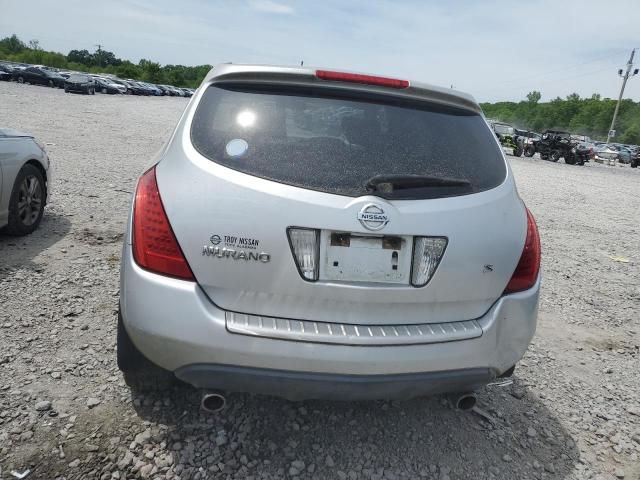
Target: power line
563,69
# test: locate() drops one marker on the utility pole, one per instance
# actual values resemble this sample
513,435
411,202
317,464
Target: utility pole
625,77
99,53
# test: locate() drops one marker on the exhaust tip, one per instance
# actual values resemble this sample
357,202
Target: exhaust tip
212,402
466,401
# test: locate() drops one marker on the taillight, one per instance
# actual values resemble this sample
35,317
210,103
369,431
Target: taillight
364,79
526,273
305,246
427,253
155,247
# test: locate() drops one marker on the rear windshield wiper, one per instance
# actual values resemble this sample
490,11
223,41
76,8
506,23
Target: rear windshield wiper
392,183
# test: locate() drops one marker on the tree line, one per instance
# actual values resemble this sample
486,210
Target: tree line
102,61
583,116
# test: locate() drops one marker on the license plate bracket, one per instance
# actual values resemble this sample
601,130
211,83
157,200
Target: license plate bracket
363,258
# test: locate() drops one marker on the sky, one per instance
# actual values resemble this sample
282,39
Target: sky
494,49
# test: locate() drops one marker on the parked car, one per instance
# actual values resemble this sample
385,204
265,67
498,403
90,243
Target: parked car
406,262
106,85
166,90
38,76
606,152
25,182
508,138
153,89
80,83
137,88
635,156
128,90
5,73
624,153
187,92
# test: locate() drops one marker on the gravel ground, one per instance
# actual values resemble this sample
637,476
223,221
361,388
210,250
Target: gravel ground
65,412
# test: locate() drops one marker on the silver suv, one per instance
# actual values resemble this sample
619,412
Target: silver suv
318,234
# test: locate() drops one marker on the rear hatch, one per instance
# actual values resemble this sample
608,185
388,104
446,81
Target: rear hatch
363,205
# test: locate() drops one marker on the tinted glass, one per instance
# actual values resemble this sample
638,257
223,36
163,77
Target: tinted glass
335,143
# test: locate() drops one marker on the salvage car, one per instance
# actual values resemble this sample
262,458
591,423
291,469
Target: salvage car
605,152
5,73
38,76
321,234
25,182
106,85
80,83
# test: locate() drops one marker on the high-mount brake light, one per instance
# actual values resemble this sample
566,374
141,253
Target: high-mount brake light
155,247
363,79
526,273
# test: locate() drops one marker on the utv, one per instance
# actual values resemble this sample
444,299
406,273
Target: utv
556,144
529,140
508,138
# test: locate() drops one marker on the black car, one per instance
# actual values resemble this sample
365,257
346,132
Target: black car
79,82
5,72
137,88
166,90
128,89
635,160
106,86
38,76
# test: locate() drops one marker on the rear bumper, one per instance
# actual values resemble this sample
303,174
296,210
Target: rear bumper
174,324
76,88
331,386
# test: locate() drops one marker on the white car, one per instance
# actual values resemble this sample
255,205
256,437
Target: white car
25,182
319,234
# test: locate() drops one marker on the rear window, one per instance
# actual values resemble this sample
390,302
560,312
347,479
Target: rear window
325,141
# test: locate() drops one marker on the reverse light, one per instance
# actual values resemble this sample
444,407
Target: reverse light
364,79
427,253
526,273
155,247
305,247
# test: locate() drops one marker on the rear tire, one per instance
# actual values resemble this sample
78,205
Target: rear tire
555,156
20,79
51,84
139,373
570,159
634,163
26,204
529,151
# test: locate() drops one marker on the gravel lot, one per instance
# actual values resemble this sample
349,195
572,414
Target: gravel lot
573,411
